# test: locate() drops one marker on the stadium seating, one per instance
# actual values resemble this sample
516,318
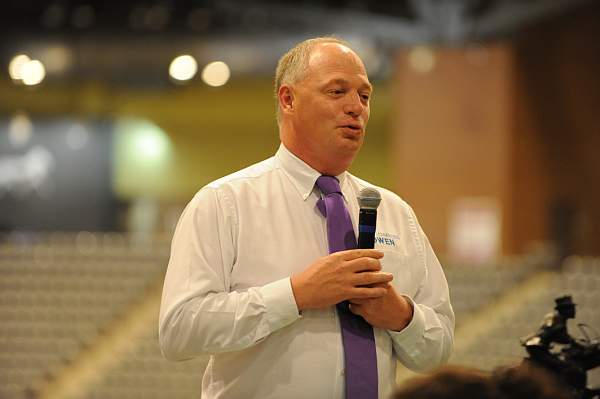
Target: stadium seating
58,292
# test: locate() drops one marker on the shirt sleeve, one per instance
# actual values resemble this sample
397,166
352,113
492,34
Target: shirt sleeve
199,315
427,341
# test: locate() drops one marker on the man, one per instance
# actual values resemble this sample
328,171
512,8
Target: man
250,281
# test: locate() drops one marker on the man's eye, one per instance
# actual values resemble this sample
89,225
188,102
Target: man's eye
337,91
365,97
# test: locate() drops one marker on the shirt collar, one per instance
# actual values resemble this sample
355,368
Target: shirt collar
301,174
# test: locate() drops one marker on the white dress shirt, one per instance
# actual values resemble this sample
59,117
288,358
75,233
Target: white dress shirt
227,290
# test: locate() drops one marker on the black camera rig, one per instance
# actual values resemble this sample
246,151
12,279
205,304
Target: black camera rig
553,349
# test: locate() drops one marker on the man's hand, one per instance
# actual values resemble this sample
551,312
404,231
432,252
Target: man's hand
339,277
390,311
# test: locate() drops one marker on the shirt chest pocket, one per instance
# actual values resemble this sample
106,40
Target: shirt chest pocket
407,271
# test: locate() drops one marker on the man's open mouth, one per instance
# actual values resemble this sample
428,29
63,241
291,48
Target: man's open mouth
353,127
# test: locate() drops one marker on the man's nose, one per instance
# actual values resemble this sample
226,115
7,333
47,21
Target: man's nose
354,105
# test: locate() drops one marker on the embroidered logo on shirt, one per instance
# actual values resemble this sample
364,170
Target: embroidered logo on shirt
386,239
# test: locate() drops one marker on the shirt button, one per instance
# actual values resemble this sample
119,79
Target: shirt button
342,371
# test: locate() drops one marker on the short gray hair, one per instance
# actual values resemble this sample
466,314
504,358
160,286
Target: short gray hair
292,66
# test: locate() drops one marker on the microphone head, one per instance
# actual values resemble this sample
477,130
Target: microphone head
369,198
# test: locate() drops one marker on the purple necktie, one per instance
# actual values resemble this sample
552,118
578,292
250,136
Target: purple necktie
360,358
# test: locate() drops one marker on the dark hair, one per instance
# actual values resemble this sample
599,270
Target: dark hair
450,382
527,382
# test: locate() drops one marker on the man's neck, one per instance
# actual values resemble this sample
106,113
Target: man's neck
314,162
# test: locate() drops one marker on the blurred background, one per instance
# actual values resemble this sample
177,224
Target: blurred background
113,114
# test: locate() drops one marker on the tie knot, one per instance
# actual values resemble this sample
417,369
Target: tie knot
328,184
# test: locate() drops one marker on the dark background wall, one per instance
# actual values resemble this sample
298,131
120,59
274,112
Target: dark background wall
47,184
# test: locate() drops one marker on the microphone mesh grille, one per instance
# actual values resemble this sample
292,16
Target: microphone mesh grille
369,198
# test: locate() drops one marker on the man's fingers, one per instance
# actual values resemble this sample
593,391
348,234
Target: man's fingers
359,301
366,293
383,285
368,278
363,264
352,254
354,308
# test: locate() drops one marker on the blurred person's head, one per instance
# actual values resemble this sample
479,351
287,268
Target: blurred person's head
527,382
450,382
323,94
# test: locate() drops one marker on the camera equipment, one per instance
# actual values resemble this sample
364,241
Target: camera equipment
553,349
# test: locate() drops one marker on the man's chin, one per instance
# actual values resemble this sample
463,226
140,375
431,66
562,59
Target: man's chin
352,143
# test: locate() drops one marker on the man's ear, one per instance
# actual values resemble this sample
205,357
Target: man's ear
286,98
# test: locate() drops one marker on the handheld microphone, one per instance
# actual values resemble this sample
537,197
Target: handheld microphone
368,200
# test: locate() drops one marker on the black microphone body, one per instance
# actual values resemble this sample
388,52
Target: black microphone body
367,222
368,200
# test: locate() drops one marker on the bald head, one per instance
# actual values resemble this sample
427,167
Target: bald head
332,56
323,104
292,66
